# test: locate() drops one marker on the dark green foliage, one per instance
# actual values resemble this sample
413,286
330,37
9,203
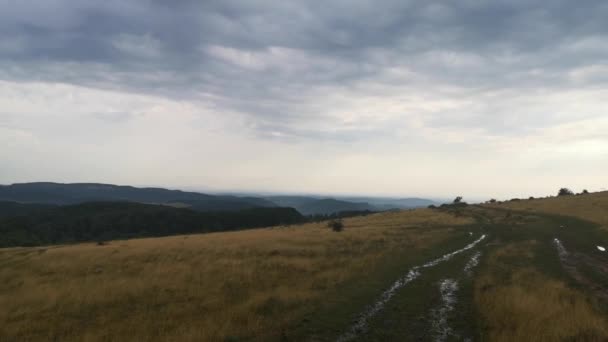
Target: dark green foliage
585,192
457,199
14,208
454,205
102,221
565,192
336,225
339,215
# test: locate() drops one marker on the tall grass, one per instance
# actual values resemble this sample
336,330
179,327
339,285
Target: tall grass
591,207
519,303
214,287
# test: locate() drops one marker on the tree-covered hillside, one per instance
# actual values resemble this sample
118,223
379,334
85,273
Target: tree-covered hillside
119,220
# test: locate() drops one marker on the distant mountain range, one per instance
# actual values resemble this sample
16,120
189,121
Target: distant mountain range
33,214
309,205
388,203
315,206
47,193
66,194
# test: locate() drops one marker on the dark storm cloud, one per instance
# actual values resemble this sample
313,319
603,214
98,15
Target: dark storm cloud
265,58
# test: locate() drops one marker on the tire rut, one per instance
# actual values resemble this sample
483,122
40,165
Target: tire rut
361,324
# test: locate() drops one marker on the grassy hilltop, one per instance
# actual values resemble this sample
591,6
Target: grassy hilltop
309,283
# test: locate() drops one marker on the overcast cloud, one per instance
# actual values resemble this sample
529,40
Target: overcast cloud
428,98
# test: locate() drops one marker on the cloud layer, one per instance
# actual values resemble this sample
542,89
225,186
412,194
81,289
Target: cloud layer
401,97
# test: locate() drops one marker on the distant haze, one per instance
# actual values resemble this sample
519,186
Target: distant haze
396,98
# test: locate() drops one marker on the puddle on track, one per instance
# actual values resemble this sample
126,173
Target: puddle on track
472,263
440,327
361,323
561,250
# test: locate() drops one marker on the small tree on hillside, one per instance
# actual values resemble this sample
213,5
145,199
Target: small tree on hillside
565,192
585,192
458,200
336,225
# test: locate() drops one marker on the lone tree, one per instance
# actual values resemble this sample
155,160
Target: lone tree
458,199
565,192
585,192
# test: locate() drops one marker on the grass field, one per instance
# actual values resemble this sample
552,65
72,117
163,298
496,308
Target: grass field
214,287
591,207
308,283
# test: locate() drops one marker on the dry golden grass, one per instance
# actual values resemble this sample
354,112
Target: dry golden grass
592,207
521,304
208,287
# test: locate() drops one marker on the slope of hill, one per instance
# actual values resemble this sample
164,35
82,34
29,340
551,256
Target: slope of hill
465,272
62,194
591,207
309,205
386,203
473,272
248,285
331,206
292,201
313,205
120,220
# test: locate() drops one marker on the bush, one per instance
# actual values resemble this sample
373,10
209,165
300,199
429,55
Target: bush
336,225
492,201
565,192
585,192
432,206
457,199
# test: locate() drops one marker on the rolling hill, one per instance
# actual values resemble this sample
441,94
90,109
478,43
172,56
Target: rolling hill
64,194
487,273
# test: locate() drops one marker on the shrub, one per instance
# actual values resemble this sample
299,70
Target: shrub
432,206
457,199
585,192
565,192
492,201
336,225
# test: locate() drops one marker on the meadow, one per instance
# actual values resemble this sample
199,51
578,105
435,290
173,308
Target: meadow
211,287
309,283
591,207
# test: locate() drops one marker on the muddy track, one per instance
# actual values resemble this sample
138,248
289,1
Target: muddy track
440,316
573,261
361,323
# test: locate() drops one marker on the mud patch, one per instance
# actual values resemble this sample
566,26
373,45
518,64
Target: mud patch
571,263
361,324
440,325
561,250
472,263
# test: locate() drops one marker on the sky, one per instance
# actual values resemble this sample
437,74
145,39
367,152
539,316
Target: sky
394,97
